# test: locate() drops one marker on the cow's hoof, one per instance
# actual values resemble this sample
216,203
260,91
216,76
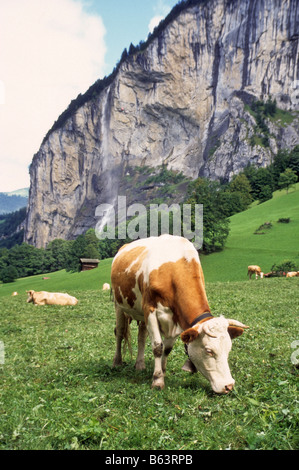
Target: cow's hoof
117,363
158,385
140,365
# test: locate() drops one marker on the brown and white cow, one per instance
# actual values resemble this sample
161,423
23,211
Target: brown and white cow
50,298
254,269
159,282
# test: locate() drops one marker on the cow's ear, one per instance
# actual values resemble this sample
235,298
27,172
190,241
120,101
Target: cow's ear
235,331
189,335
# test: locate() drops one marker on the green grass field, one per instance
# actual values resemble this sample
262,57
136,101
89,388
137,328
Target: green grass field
243,247
59,391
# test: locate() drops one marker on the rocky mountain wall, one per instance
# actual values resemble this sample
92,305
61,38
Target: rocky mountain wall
184,101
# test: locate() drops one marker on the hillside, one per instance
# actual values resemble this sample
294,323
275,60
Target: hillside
244,247
61,281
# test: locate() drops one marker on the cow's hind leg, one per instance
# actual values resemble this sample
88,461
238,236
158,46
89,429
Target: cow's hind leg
142,334
121,332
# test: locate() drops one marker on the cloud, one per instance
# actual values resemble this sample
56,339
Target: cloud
161,9
50,52
154,22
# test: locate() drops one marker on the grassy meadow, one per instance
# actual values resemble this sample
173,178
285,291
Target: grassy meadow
275,245
59,391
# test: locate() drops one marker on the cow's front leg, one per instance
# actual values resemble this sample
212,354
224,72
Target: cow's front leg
157,347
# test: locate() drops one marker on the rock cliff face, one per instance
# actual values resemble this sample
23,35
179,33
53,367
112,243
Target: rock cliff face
181,101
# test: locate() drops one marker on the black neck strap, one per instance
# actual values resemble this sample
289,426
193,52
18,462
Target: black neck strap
201,317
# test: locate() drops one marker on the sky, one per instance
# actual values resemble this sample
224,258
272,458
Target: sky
50,51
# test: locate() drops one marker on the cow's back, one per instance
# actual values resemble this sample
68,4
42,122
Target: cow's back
127,275
134,266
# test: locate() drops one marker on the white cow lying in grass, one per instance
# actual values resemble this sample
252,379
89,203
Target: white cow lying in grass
50,298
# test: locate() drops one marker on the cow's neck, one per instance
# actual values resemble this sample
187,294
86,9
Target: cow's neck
201,318
193,310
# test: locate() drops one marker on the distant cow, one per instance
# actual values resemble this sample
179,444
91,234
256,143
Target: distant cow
159,282
106,286
254,269
14,294
50,298
293,274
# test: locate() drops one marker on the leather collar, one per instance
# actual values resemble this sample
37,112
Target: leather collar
203,317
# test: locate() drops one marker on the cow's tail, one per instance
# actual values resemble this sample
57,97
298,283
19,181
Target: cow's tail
127,335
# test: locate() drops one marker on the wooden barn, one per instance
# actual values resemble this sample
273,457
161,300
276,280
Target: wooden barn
87,264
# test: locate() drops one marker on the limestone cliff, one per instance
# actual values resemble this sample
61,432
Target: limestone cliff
182,100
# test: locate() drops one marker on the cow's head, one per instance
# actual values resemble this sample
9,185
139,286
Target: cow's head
30,295
209,344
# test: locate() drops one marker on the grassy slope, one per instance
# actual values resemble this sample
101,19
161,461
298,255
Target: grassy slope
280,243
61,281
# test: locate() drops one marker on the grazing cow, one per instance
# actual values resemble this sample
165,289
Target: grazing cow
50,298
106,286
293,274
159,282
253,269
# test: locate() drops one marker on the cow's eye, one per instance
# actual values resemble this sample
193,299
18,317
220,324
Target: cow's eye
209,352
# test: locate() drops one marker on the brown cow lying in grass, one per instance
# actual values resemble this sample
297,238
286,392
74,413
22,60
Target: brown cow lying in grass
50,298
